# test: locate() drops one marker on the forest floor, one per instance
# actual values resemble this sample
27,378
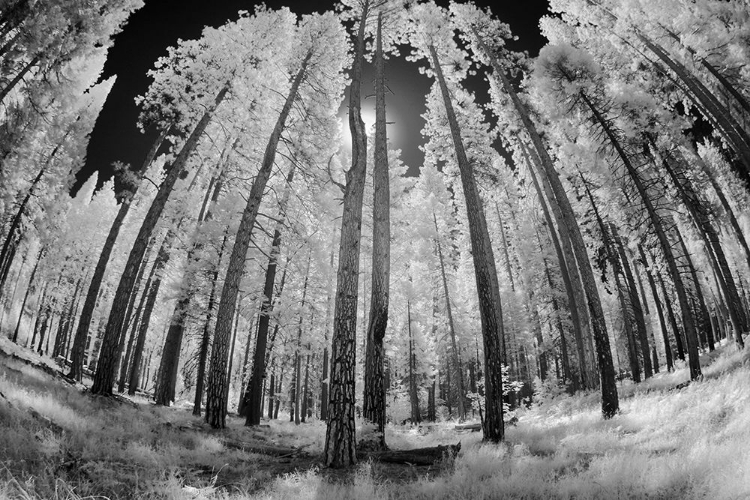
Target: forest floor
671,440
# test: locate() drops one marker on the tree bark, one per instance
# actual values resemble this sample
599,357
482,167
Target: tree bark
488,288
374,391
687,318
340,446
109,353
29,287
254,391
610,400
215,404
416,415
451,325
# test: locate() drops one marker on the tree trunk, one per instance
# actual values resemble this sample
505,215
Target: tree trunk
451,325
374,392
610,400
488,289
254,391
84,323
714,251
29,287
672,320
205,342
340,447
416,416
297,358
109,353
215,404
687,318
659,310
635,301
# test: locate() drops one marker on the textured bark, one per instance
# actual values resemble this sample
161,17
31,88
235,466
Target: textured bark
324,382
215,402
109,353
340,447
374,390
451,325
488,288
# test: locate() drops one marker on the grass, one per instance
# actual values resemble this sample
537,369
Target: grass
686,443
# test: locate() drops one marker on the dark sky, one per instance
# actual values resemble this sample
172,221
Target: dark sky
160,23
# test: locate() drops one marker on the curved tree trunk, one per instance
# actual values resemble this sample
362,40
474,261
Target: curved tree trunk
488,288
109,353
216,394
688,322
84,323
610,400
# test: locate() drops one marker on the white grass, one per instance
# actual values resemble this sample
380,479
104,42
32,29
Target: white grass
666,443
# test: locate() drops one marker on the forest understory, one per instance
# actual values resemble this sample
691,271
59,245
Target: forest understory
671,439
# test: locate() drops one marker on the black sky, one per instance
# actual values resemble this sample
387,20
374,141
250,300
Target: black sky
160,23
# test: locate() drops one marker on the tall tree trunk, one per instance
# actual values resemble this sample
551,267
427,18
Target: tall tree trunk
29,288
488,288
572,287
416,416
156,278
340,446
610,400
714,251
374,392
687,317
635,301
84,323
672,319
659,309
617,271
252,334
297,358
324,382
451,325
215,403
205,342
109,353
254,392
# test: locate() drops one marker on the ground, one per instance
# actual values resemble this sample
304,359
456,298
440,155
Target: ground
672,439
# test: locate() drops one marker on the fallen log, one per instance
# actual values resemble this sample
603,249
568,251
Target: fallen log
468,427
417,456
275,451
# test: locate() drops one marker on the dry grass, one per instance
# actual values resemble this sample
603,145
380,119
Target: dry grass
59,443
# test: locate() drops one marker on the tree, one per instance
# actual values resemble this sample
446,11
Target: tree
431,32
